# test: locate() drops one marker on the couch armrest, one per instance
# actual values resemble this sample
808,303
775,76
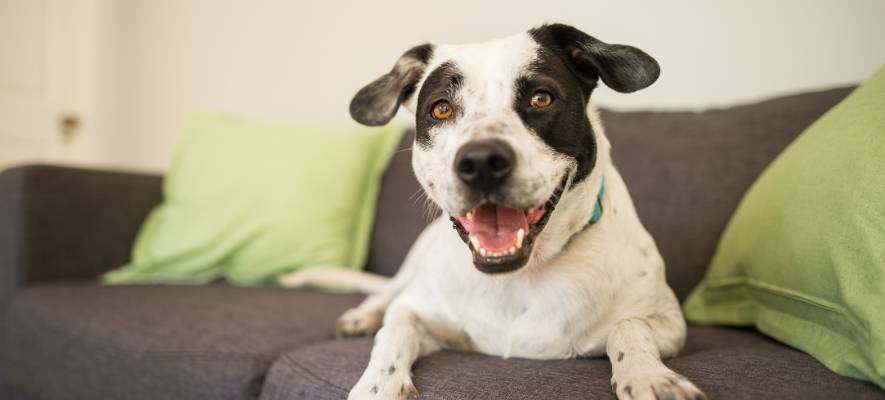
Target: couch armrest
62,223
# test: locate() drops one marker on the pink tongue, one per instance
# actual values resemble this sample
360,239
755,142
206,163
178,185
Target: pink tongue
495,226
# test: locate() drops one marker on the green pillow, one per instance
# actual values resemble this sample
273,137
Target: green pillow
803,258
249,201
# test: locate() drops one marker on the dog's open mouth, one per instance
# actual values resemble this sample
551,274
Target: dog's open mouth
501,237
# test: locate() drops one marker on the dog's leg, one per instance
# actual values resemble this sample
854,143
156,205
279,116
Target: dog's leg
635,347
365,319
397,345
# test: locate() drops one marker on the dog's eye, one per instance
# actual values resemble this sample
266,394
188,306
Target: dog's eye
542,99
441,110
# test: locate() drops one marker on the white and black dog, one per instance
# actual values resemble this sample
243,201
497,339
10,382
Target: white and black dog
547,258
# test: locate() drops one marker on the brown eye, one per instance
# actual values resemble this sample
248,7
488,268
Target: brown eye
542,99
441,110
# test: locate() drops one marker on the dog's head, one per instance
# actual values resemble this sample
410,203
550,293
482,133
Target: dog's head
502,131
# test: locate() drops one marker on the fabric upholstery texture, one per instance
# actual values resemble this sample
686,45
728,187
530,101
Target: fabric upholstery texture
687,171
401,214
725,363
85,341
63,223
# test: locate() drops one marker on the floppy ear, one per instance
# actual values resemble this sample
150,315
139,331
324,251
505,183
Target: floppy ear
622,68
377,102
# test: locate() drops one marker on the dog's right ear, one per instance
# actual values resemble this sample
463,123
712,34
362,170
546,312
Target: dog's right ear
623,68
377,102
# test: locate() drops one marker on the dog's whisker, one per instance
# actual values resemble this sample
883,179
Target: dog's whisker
417,195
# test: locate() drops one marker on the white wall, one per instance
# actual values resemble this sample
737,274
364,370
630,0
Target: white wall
303,60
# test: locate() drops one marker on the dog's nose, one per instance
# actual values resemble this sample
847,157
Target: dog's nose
484,165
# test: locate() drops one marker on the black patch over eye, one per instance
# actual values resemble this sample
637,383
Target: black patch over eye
551,103
441,85
541,99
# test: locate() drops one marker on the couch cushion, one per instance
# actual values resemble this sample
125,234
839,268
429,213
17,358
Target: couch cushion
725,363
687,171
251,201
84,341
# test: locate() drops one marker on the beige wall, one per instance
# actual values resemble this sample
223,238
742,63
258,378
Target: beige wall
302,60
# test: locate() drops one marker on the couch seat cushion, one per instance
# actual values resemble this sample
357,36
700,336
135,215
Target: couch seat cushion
725,363
86,341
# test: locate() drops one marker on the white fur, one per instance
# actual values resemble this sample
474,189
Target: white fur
586,291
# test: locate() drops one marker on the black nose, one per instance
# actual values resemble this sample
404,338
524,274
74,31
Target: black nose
485,164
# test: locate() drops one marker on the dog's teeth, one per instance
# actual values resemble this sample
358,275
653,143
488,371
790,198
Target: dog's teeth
520,235
475,242
470,215
483,252
511,250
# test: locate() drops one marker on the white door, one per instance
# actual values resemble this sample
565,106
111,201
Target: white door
48,65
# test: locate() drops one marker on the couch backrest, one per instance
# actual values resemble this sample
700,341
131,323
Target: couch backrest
401,212
685,171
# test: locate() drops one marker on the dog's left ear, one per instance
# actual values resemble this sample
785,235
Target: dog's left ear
622,68
377,102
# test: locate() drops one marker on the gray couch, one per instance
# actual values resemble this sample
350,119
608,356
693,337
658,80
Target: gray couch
66,337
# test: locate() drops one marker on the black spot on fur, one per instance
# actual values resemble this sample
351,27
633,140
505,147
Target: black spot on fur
374,390
629,390
391,370
441,84
642,273
620,356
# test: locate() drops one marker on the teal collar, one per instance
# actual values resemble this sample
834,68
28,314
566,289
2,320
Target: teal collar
597,212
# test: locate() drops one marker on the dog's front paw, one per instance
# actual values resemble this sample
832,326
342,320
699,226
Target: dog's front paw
387,384
358,322
664,385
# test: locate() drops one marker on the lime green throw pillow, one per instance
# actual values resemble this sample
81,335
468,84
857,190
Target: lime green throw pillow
803,258
248,201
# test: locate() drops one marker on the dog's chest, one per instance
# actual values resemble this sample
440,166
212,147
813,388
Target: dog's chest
542,321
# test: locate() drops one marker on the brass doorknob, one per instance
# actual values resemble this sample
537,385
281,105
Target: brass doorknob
68,123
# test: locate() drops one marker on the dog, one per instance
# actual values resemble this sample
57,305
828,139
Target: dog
539,253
